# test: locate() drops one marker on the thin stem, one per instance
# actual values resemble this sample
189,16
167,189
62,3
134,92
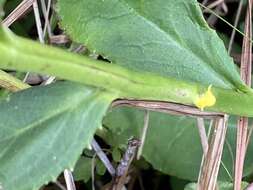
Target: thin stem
46,11
238,13
215,3
103,157
210,169
242,127
38,21
167,107
93,165
19,11
226,22
58,184
143,134
202,134
69,180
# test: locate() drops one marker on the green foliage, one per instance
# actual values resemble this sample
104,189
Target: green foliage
169,38
116,155
221,185
100,168
42,136
140,85
159,49
172,144
83,169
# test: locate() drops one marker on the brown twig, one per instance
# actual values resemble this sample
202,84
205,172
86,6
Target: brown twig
122,169
19,11
167,107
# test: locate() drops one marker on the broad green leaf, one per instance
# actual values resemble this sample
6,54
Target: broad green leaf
166,37
172,144
83,169
43,131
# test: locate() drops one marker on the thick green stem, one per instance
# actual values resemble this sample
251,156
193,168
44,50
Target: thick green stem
24,55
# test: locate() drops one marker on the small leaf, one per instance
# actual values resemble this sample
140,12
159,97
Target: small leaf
83,169
43,131
116,155
100,167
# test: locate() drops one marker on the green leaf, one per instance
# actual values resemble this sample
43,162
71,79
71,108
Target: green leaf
166,37
100,167
116,155
222,186
177,184
172,144
83,169
43,131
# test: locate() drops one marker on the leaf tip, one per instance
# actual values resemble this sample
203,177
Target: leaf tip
206,99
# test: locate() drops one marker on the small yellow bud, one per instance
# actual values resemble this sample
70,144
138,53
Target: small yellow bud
206,100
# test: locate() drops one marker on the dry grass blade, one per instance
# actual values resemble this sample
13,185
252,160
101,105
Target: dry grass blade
102,156
167,107
19,11
69,180
211,164
59,39
202,134
235,25
143,134
38,21
46,11
246,61
215,3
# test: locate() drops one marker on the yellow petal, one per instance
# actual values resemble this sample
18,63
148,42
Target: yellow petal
206,100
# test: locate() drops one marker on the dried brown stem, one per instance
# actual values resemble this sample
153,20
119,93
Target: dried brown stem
19,11
211,165
202,134
242,126
122,169
167,107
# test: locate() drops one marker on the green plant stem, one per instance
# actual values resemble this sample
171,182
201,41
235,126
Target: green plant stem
11,83
25,55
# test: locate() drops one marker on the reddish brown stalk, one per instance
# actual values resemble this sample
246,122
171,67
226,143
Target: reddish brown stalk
246,61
